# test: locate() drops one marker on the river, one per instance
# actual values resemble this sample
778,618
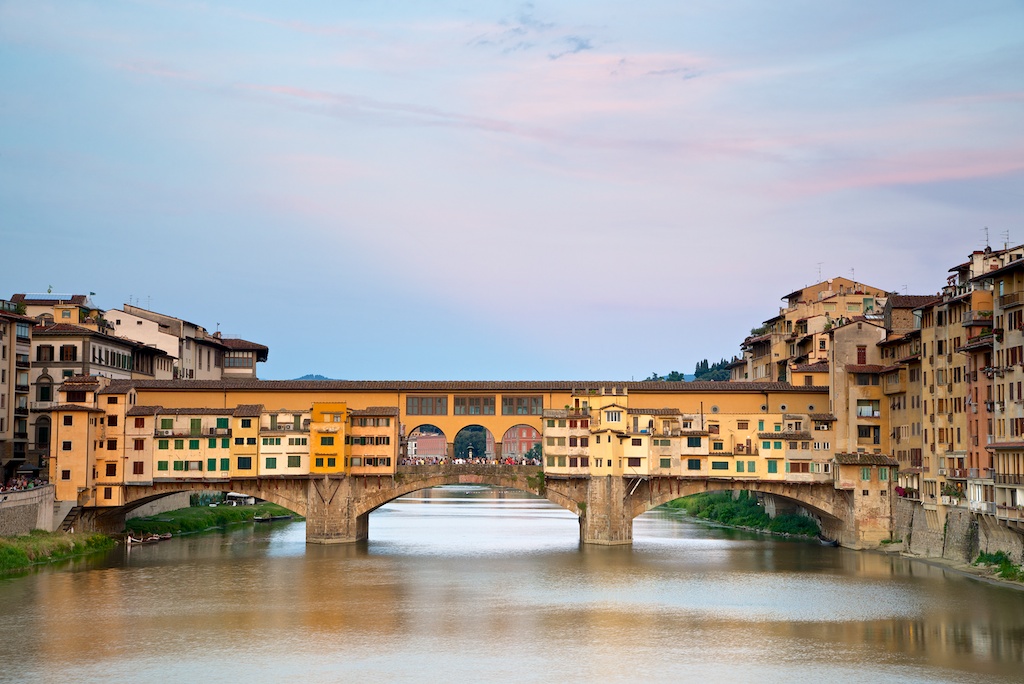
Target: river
473,584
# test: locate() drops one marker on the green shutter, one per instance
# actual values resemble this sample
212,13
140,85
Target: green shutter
211,464
225,464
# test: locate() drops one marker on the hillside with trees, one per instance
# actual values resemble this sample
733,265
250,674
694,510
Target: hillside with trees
705,371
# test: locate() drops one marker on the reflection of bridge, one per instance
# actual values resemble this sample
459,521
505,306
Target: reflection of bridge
337,508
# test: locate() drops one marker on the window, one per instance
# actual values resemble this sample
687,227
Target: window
111,470
294,461
108,492
68,352
776,445
474,406
739,466
865,474
693,464
766,445
65,474
326,441
245,462
522,406
161,465
211,464
773,466
883,474
271,462
331,462
139,444
138,468
693,442
179,444
613,416
751,466
742,425
225,464
65,446
193,444
251,441
162,443
665,463
222,423
247,422
68,420
225,443
44,353
426,406
633,462
211,443
719,465
166,423
140,422
637,441
239,440
718,446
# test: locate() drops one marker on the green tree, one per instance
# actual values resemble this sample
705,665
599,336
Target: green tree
471,436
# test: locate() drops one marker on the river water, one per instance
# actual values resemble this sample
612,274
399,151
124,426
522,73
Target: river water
472,584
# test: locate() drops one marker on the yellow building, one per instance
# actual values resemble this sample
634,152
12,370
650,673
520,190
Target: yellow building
327,437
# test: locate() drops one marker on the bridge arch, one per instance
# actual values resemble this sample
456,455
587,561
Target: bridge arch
831,506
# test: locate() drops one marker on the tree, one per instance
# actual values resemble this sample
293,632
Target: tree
471,436
534,453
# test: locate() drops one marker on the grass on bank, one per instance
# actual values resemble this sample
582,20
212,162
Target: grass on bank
38,546
744,511
200,518
1005,568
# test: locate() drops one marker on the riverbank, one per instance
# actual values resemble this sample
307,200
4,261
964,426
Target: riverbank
984,573
743,512
38,547
202,518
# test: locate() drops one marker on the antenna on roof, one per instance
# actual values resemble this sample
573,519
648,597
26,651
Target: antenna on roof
1006,239
986,236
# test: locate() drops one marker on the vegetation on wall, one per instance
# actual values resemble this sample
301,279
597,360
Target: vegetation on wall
23,551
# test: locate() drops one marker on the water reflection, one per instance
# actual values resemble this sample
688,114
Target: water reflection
475,584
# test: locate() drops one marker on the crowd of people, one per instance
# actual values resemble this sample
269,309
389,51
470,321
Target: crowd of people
444,460
17,484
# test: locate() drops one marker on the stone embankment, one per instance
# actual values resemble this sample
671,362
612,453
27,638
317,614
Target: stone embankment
954,543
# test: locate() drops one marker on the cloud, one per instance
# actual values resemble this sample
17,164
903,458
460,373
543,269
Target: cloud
576,44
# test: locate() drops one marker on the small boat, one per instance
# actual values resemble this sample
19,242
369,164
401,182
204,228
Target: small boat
827,542
151,539
270,518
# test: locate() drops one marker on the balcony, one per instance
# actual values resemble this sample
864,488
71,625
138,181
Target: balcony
1012,299
983,507
1010,513
980,473
22,389
957,473
1004,479
42,405
20,435
22,365
977,318
21,410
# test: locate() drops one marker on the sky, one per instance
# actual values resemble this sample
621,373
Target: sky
501,190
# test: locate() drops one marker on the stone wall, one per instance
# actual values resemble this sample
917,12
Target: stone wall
171,502
22,512
960,537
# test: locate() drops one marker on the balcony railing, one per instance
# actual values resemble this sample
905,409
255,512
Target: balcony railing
980,473
21,388
985,507
21,410
958,473
1009,512
23,365
1002,478
1011,299
41,405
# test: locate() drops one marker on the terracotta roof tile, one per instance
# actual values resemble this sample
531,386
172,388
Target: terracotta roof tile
375,411
654,412
864,368
462,385
819,367
909,301
866,460
144,410
248,411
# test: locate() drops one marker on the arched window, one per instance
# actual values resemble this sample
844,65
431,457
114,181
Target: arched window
44,388
43,432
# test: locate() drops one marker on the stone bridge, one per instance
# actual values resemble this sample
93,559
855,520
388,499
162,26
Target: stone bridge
337,508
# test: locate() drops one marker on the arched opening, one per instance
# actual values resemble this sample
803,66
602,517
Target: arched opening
521,443
474,444
426,444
